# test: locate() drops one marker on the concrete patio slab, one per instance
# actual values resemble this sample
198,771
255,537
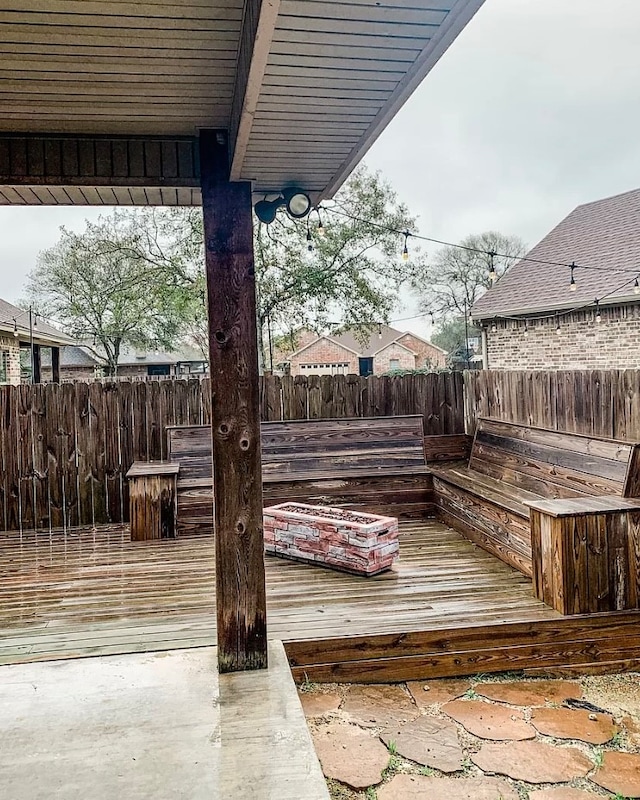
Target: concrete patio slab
160,725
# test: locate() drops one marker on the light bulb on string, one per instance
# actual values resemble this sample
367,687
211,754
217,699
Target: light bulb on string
636,287
379,331
494,326
598,314
526,328
572,282
433,319
15,329
320,230
309,238
492,267
558,328
405,251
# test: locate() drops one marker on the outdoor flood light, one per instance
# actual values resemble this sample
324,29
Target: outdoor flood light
296,202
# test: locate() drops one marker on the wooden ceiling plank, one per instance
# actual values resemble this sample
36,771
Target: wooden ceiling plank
287,82
356,27
260,21
90,12
342,65
295,49
336,38
375,13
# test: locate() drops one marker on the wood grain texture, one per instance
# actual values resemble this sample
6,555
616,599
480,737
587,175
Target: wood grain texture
235,411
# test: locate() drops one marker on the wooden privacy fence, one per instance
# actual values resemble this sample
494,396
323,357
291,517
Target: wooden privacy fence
65,449
597,402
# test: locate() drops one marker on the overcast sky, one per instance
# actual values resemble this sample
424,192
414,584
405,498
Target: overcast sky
533,110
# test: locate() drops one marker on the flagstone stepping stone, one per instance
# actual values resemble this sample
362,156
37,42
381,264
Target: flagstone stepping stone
619,773
563,793
426,693
533,762
428,787
429,741
317,704
565,723
529,693
489,721
350,755
379,705
632,728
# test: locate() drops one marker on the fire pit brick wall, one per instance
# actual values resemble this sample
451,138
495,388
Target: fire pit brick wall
365,544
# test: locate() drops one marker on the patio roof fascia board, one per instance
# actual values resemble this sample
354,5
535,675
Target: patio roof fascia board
458,18
258,26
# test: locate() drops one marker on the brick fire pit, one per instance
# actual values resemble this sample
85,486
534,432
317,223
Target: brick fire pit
365,544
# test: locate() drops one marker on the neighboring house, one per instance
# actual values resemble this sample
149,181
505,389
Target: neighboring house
79,363
18,331
532,319
385,350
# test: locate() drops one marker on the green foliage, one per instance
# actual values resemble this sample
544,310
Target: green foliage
392,748
120,282
393,767
455,278
371,793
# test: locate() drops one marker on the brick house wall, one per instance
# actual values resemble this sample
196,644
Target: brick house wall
581,343
316,357
424,351
382,360
10,354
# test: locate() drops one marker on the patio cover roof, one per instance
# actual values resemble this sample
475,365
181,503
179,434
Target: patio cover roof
101,102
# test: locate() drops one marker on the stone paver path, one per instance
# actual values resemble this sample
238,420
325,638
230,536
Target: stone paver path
429,741
533,762
564,723
562,793
620,774
379,705
418,787
479,739
489,721
427,693
350,755
530,693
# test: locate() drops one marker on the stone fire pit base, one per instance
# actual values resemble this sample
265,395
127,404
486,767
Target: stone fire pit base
364,544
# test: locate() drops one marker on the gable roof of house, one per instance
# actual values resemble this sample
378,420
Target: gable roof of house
603,234
12,317
377,340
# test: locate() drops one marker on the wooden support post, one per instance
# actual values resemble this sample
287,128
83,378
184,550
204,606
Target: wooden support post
36,376
55,364
235,412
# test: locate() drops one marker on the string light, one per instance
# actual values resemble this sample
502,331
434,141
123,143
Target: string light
492,267
320,230
405,251
494,326
636,286
379,331
598,315
309,238
526,328
558,328
572,282
433,319
15,328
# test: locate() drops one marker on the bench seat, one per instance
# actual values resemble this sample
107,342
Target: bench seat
376,465
512,466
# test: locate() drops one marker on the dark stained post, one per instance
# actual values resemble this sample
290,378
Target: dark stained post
36,376
55,364
235,415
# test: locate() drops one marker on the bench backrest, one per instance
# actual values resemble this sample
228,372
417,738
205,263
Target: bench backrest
553,463
312,448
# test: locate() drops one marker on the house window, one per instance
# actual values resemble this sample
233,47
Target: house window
4,365
339,368
394,363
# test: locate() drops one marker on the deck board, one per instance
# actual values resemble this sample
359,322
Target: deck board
448,607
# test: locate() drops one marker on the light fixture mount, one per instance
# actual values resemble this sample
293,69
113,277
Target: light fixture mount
296,202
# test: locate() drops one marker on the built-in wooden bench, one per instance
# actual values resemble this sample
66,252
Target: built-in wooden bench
512,466
373,464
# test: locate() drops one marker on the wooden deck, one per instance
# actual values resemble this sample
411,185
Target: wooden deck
448,608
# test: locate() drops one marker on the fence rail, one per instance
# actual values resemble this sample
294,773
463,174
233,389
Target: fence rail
65,449
597,402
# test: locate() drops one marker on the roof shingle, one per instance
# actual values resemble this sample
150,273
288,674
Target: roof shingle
603,234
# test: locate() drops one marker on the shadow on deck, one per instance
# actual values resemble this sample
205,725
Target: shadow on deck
447,608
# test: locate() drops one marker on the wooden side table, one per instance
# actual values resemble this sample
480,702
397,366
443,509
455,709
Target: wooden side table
586,553
152,500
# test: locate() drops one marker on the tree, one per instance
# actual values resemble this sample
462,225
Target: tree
452,335
105,294
351,276
345,274
458,276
